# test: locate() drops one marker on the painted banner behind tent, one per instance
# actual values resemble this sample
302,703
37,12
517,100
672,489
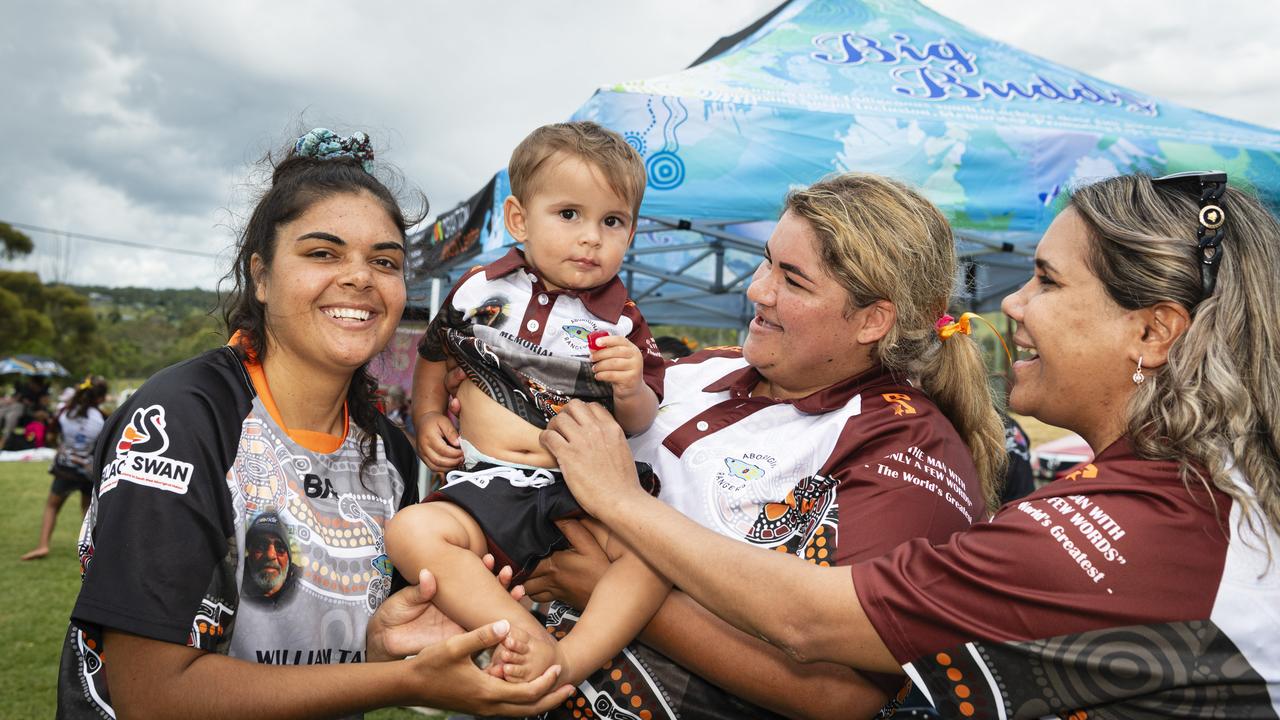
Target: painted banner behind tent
394,365
455,235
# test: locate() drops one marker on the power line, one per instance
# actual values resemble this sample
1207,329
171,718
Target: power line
109,241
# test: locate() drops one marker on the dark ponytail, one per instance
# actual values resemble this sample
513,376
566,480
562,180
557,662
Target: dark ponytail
89,394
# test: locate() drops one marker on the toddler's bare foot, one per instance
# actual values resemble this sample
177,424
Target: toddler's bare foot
516,644
528,660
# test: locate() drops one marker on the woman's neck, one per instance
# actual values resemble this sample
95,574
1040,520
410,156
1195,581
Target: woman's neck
1101,424
793,389
1100,437
773,389
306,398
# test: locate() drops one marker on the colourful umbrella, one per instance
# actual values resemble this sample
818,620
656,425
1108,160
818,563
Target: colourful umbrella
31,365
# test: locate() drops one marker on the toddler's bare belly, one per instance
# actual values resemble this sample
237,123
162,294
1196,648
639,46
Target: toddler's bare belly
498,432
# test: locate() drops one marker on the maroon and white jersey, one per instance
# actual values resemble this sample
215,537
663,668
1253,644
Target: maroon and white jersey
508,295
1116,592
841,475
773,473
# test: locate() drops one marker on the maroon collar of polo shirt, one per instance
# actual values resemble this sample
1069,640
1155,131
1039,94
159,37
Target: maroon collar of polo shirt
739,384
605,301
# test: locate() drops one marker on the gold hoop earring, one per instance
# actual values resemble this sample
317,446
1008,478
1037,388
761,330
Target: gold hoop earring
1138,377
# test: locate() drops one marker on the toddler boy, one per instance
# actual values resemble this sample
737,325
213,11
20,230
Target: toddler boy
533,330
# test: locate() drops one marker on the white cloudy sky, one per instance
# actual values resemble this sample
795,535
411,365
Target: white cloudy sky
139,120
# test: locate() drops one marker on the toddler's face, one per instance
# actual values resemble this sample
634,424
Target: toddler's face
575,229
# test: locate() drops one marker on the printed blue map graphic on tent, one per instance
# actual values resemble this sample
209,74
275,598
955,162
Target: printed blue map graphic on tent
990,133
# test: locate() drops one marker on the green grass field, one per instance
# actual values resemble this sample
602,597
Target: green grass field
36,597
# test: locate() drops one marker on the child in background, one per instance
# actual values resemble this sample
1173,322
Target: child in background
533,330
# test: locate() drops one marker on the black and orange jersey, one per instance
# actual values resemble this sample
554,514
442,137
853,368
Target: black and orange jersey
214,526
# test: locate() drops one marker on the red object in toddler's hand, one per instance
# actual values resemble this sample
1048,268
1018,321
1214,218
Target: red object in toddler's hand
593,339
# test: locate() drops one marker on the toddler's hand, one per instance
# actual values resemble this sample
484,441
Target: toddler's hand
619,363
438,442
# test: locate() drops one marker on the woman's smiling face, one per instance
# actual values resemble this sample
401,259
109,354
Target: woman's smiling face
1075,370
803,336
335,291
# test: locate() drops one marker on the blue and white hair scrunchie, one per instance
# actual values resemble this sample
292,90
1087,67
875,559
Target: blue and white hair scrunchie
324,144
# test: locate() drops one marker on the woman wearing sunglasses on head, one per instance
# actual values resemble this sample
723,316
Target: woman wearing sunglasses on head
1144,584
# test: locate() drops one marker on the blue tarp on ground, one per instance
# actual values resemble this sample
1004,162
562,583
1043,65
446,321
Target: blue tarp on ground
990,133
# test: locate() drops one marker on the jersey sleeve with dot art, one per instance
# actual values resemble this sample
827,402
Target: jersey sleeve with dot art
1116,592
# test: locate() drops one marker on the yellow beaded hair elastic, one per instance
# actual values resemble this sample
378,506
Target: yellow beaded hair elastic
948,326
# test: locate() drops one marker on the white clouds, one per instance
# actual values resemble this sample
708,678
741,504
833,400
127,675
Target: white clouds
1218,57
140,119
117,216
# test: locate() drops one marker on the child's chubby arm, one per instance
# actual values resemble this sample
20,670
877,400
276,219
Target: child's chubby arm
623,602
620,363
436,436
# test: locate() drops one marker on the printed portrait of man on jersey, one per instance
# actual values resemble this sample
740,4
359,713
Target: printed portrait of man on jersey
268,560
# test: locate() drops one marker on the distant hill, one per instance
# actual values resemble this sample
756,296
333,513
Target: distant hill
173,304
146,329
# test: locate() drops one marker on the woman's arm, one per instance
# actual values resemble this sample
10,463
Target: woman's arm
157,679
752,669
709,647
823,619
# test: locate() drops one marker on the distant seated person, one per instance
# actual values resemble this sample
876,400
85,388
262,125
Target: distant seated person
28,394
33,432
532,331
396,407
673,348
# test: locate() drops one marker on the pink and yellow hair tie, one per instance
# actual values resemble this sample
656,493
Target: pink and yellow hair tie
948,326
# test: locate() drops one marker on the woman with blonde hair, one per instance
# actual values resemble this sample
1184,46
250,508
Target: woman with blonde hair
843,427
1143,584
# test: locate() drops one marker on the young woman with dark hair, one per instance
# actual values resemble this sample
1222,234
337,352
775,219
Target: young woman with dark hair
236,527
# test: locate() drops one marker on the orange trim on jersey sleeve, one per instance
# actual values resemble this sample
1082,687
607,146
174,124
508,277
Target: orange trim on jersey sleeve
312,440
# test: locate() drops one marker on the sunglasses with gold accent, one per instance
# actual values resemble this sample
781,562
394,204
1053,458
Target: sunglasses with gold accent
1209,187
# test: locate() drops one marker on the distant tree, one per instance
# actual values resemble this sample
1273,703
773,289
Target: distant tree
76,342
148,329
12,325
25,326
15,241
52,320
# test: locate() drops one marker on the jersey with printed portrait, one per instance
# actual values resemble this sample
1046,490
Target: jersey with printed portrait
842,475
211,527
